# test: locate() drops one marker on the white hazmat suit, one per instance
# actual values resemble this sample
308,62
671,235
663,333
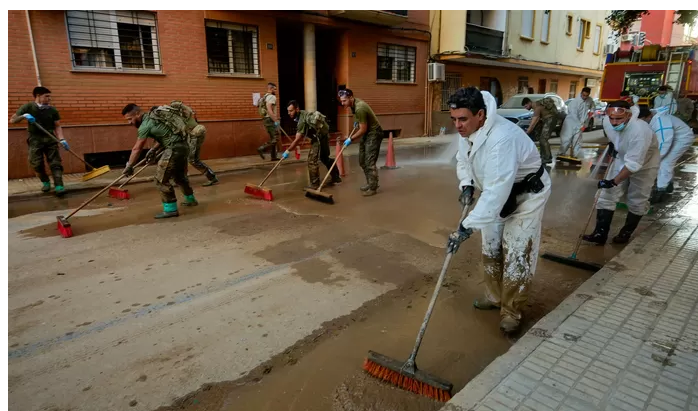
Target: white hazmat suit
675,138
492,159
666,100
570,133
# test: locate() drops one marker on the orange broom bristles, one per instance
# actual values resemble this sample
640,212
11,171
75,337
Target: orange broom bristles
405,382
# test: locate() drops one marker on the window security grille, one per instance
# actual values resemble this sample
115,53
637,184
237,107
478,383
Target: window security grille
232,48
396,63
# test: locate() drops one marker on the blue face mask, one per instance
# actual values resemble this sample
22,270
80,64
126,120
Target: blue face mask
619,127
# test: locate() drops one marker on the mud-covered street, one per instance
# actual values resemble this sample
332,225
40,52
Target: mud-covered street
241,304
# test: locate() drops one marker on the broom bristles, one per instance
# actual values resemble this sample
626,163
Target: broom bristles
405,382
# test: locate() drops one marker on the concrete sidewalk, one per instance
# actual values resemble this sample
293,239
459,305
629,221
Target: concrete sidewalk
30,187
626,340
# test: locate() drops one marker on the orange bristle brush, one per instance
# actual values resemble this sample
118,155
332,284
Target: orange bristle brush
259,191
406,375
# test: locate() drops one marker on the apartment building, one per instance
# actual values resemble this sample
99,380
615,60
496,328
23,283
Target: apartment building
516,51
95,62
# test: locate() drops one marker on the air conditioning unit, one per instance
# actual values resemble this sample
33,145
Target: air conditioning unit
609,49
436,72
627,37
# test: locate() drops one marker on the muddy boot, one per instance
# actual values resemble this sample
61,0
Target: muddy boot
658,196
364,188
311,187
190,201
336,179
369,193
273,154
60,191
211,181
509,325
485,304
670,187
58,182
260,150
603,225
631,222
169,210
45,186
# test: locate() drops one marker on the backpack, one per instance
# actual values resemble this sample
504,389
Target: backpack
262,106
171,117
316,120
548,106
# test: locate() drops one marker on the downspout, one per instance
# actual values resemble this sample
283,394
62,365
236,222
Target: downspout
31,40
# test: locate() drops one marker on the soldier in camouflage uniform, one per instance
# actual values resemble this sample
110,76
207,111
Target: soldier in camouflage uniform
197,135
169,131
312,124
371,135
542,124
40,145
270,118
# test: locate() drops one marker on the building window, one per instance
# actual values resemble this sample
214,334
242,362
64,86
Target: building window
545,27
528,20
232,48
396,63
522,86
553,86
119,40
569,25
597,39
573,89
453,82
582,33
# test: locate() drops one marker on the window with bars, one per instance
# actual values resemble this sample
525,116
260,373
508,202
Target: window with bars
396,63
522,85
573,89
453,82
232,48
113,39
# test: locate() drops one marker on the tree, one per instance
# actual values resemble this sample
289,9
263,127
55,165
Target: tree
621,20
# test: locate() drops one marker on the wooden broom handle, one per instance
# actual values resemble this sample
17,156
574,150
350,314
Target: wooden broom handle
139,171
324,180
59,141
269,174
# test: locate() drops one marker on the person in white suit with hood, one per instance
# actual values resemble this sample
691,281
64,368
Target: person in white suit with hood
573,125
499,160
665,98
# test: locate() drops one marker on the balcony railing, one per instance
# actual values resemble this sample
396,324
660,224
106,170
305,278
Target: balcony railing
380,17
484,40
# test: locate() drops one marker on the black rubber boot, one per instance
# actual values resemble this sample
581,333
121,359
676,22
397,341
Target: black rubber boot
658,196
273,153
670,187
260,150
624,234
603,225
212,180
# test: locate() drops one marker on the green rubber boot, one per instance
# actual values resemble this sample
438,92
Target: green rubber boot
60,191
190,201
169,210
45,186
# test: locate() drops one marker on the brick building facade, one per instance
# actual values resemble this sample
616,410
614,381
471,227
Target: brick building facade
157,56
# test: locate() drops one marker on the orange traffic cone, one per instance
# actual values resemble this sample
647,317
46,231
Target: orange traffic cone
340,157
390,158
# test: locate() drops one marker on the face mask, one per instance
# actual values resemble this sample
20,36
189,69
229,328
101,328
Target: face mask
619,127
43,106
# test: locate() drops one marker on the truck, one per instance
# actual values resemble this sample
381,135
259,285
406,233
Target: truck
643,71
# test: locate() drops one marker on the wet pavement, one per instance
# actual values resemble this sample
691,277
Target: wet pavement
245,304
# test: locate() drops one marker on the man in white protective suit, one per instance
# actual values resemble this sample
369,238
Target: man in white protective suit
674,138
665,98
572,127
634,169
497,158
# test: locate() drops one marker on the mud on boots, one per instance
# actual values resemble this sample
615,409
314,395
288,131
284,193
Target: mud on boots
266,106
635,169
313,125
370,132
498,158
42,113
168,128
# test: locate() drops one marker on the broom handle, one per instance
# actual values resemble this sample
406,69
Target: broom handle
591,213
139,171
58,141
272,170
100,193
324,180
411,361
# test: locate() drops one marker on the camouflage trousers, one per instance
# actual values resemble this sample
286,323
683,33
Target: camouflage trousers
40,149
273,135
172,166
369,148
196,140
543,131
320,152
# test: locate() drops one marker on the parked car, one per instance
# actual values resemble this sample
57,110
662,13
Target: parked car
514,111
599,111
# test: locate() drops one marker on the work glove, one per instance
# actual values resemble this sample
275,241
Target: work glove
466,196
356,124
285,155
607,184
29,118
458,237
128,170
612,150
150,156
64,144
276,124
347,142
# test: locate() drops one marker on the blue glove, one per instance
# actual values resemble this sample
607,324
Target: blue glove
276,124
607,184
356,124
29,118
285,155
65,144
347,142
458,237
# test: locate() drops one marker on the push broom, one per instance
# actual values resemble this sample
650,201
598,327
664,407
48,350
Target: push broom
572,259
63,224
317,194
571,158
406,375
120,193
96,172
260,191
298,152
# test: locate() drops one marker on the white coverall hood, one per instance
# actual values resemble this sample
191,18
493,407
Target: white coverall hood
675,137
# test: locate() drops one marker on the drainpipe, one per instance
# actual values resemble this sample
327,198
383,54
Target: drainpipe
31,40
309,67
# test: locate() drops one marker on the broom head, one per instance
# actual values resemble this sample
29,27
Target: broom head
572,262
259,192
298,154
417,381
319,196
95,173
64,227
119,193
569,159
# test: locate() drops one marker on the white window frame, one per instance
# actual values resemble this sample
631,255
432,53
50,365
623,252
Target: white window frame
598,32
545,26
523,24
231,58
106,37
407,49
